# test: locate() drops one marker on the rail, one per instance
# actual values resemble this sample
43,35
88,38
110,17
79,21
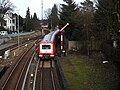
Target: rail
45,78
16,71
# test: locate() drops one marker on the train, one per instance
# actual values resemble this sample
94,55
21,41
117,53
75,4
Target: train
50,45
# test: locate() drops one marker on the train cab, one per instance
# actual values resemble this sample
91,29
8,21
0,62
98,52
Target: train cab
47,47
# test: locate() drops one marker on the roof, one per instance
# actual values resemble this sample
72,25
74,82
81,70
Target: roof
50,36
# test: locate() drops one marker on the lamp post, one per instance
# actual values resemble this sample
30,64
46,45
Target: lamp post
1,19
18,30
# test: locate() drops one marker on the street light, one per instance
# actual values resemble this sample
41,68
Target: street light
1,19
18,28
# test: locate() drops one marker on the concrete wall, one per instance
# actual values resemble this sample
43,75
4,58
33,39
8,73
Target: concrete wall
74,45
78,45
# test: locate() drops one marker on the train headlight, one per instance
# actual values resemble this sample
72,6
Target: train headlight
32,75
63,51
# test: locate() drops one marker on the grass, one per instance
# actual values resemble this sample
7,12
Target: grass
84,74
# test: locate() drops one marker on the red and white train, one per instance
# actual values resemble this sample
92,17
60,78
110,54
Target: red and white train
50,45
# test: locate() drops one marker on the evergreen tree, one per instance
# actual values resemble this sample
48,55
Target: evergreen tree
28,13
107,18
35,22
54,16
78,32
87,14
35,16
67,13
27,24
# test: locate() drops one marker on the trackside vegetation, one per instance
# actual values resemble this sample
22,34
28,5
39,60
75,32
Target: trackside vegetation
86,74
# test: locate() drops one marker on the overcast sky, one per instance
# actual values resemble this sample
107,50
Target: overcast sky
35,5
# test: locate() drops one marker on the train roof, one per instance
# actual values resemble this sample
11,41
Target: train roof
50,36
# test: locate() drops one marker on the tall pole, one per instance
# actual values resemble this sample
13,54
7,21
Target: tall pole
61,32
18,30
42,10
42,18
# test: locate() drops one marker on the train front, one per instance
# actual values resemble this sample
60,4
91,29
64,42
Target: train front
46,50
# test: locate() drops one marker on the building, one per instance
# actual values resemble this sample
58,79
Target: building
10,22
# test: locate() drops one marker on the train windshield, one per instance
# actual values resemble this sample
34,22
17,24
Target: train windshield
46,46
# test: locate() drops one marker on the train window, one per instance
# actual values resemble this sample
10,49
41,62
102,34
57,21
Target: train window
46,47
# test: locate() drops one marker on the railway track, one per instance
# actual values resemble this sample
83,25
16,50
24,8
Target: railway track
13,47
16,76
46,77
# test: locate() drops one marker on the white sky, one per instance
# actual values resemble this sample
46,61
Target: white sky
35,6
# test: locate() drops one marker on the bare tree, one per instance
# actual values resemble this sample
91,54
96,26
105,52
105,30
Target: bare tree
48,12
5,5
